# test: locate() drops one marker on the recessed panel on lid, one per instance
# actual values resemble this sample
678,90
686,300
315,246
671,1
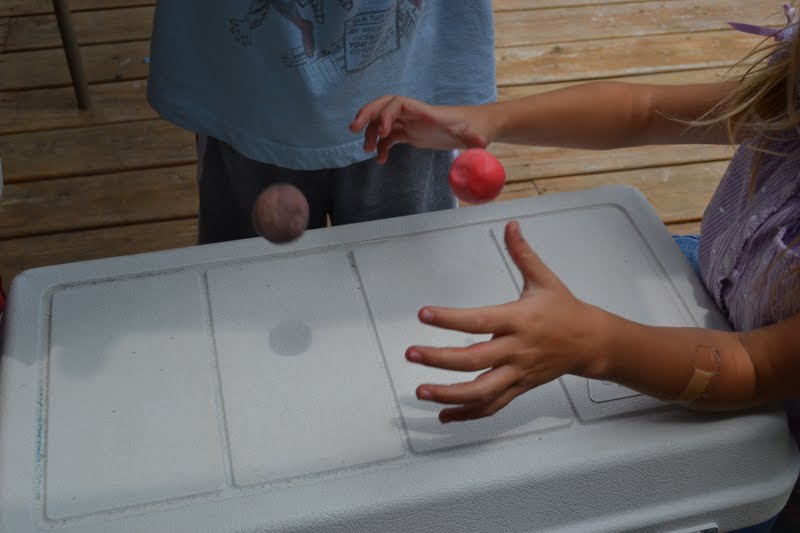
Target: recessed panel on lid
459,268
579,243
130,410
607,391
302,380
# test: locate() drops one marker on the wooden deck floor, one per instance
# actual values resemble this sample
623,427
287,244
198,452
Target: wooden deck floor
117,180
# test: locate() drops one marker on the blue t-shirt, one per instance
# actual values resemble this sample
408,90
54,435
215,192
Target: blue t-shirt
281,80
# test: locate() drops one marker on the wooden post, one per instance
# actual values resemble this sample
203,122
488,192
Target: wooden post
73,53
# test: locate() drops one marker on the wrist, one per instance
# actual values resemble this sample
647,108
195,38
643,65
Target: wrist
496,118
595,351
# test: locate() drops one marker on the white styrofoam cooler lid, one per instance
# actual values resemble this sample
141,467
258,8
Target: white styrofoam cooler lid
244,387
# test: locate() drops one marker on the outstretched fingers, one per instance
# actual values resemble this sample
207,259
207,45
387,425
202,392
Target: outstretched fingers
529,263
383,116
369,113
474,411
484,389
373,117
479,356
489,319
398,135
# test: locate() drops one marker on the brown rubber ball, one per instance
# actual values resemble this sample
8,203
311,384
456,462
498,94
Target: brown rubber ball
280,213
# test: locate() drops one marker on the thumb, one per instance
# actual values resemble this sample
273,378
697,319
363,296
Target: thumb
530,265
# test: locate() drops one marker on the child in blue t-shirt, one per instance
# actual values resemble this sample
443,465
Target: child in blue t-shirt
269,86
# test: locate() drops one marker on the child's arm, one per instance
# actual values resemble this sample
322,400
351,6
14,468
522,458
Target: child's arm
599,115
608,115
744,369
548,333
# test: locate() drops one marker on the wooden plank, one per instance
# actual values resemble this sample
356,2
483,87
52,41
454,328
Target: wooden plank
27,7
57,206
145,144
48,68
516,65
95,150
678,193
520,5
664,78
4,25
525,163
511,191
17,255
513,28
91,27
36,7
43,109
638,155
529,27
526,189
521,65
40,109
32,7
685,228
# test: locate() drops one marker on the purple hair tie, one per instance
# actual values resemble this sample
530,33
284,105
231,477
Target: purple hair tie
786,33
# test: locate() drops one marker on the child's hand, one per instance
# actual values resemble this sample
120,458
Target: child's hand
545,334
392,119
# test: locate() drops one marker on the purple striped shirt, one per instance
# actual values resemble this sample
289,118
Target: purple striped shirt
748,246
746,257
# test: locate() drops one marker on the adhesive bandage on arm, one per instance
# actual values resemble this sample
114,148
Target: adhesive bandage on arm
705,367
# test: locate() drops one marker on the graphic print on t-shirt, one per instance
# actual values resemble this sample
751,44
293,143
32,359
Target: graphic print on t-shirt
366,36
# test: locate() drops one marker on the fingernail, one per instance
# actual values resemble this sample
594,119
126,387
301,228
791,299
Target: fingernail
426,315
444,419
424,394
413,356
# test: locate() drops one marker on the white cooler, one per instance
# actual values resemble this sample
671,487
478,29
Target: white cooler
248,388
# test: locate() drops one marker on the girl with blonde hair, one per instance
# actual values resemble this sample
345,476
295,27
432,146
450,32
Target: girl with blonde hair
747,254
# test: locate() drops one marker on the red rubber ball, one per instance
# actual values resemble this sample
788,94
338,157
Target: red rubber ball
476,176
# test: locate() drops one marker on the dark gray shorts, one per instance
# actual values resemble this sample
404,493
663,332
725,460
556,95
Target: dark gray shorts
412,181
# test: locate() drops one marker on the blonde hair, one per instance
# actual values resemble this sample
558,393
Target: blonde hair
763,108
